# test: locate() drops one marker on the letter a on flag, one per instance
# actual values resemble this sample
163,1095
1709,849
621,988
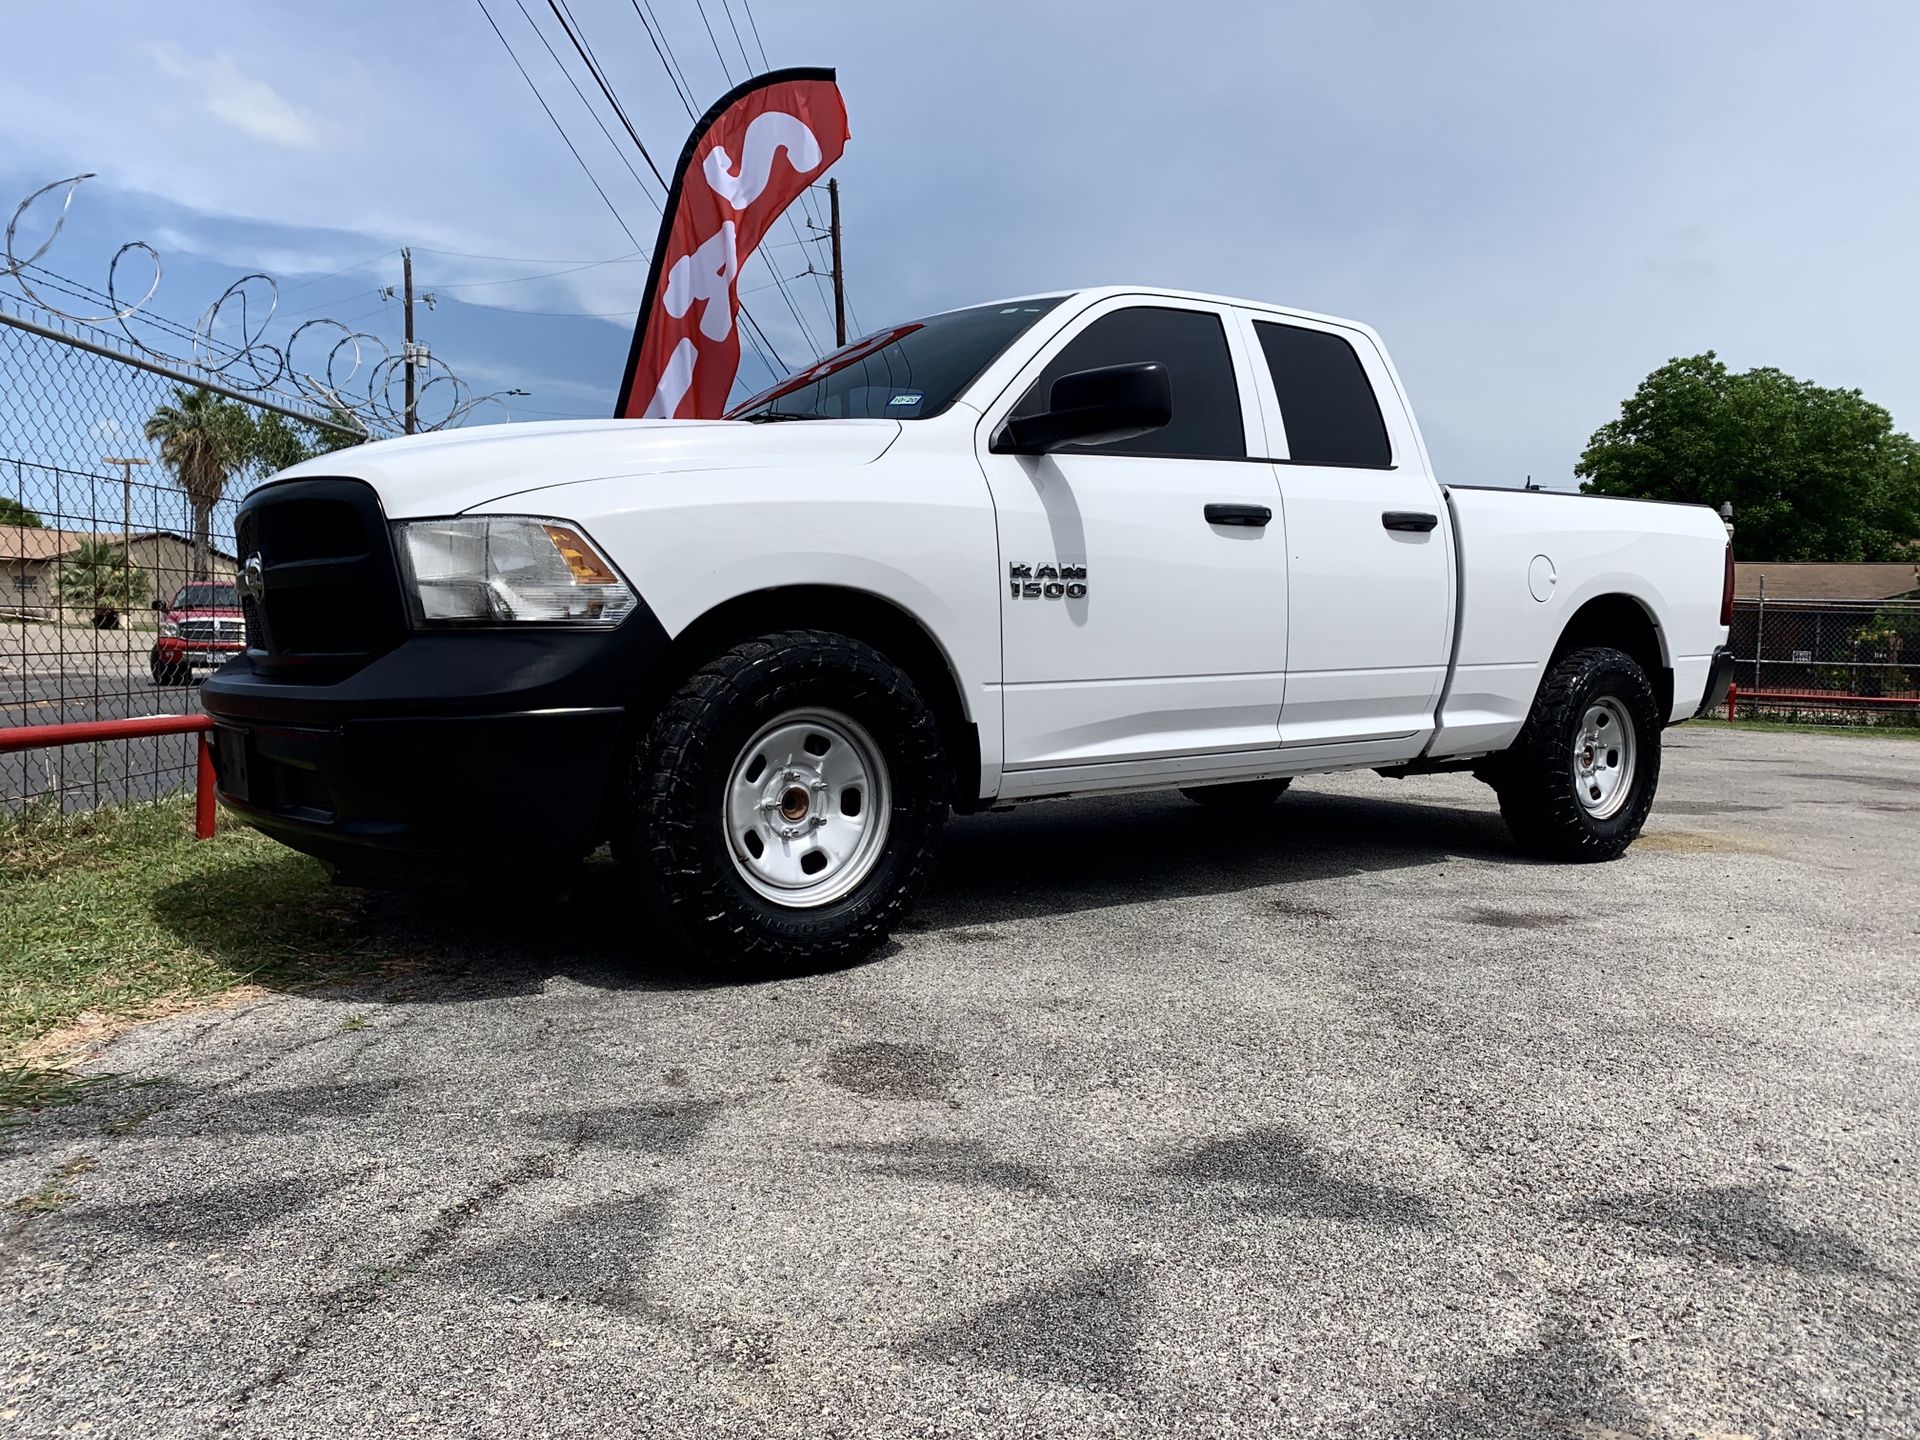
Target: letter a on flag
747,160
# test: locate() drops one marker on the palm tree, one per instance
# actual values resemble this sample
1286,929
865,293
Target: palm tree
204,440
98,576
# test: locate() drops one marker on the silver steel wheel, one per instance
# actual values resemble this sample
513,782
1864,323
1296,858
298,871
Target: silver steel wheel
806,808
1604,754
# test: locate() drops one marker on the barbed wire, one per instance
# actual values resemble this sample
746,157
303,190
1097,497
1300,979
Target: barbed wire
352,379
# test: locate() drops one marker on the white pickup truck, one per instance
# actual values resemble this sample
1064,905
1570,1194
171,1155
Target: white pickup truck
1113,539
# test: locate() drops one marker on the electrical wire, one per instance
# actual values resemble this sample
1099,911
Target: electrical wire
567,139
543,275
806,204
569,27
593,114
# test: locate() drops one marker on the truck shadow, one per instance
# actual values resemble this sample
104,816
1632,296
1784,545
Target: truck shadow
1060,858
1073,856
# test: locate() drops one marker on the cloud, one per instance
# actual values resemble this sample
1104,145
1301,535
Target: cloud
235,98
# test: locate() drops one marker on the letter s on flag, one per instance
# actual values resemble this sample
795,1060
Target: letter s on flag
748,159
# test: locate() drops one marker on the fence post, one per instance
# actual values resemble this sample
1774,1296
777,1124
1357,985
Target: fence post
1760,633
203,802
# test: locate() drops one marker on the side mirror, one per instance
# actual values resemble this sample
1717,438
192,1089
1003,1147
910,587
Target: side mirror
1092,407
160,605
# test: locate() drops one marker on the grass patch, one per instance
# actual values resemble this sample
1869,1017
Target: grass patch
119,913
53,1195
1795,727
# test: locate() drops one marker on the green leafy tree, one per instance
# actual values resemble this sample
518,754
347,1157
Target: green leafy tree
12,512
207,442
1811,473
98,577
204,440
279,442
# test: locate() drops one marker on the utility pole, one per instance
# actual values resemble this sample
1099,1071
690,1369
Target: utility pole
839,275
126,464
406,273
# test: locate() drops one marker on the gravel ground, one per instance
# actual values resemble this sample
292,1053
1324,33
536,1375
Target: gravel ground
1344,1120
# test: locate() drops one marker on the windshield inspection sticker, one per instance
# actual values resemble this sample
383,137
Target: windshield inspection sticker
908,397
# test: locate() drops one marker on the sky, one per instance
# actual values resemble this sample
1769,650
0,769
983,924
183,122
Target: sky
1534,204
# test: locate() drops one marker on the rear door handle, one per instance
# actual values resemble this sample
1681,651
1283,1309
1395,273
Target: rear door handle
1418,520
1254,515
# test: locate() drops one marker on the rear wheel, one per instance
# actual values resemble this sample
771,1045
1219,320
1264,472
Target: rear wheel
786,805
1578,783
1241,795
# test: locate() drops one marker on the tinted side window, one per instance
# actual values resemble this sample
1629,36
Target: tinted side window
1329,409
1193,347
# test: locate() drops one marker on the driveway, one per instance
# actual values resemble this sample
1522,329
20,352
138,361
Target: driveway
1341,1121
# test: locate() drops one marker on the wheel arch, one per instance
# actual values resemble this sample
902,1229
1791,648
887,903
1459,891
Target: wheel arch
860,614
1628,624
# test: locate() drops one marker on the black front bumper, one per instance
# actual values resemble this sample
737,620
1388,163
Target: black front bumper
455,755
1719,679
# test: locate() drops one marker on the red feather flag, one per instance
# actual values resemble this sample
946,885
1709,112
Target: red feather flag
748,159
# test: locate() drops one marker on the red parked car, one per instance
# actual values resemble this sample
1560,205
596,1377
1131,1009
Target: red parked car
202,629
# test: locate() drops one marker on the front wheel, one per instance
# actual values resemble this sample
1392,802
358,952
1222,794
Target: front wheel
168,672
786,805
1578,783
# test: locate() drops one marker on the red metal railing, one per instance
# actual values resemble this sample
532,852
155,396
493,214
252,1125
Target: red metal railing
35,737
1817,700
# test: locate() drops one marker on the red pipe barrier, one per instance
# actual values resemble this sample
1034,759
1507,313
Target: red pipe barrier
81,732
1733,698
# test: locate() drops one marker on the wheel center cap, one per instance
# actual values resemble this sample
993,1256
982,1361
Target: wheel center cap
1586,757
793,804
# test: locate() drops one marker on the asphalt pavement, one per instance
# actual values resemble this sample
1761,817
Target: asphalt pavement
100,679
1344,1120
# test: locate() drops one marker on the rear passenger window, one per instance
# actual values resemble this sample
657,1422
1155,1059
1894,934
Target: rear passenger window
1193,347
1329,409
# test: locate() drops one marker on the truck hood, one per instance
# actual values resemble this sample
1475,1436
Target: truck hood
450,471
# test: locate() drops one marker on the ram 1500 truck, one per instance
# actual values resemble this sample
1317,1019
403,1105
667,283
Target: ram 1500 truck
200,628
1113,539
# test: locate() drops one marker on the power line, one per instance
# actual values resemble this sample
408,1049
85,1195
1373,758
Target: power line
565,17
578,38
599,190
567,139
806,204
727,71
592,114
543,275
358,265
651,23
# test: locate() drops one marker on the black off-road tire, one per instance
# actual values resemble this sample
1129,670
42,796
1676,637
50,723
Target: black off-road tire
1535,781
165,674
670,833
1241,795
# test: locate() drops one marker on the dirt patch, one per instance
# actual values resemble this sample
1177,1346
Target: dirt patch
1699,842
885,1071
87,1032
1517,919
1296,910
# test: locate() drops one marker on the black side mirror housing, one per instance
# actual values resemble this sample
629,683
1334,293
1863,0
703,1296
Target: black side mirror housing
160,605
1092,407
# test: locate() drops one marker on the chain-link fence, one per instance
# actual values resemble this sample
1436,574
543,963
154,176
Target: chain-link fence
97,529
1853,662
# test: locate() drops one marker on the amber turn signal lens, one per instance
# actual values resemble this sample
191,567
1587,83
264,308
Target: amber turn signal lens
587,566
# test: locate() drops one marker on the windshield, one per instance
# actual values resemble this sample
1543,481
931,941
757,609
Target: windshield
906,373
206,597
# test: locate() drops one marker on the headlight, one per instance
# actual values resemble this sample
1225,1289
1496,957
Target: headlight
507,570
169,629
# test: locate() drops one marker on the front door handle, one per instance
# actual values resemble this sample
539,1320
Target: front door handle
1254,515
1417,520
